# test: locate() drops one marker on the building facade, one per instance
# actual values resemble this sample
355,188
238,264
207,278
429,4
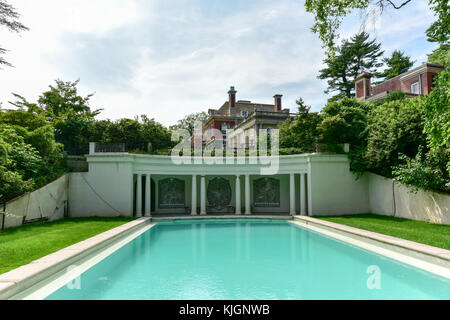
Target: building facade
240,121
418,81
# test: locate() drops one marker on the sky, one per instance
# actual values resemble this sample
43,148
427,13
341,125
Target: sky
167,59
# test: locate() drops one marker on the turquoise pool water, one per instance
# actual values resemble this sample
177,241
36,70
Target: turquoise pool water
250,259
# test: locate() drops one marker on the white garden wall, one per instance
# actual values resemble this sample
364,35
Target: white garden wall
47,202
331,189
391,198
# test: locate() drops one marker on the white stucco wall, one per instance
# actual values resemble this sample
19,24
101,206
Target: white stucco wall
423,205
335,190
105,191
47,202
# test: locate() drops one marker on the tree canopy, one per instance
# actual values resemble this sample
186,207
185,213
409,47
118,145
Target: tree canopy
328,15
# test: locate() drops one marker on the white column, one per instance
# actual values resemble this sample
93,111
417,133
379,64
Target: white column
194,195
238,195
139,196
203,196
309,193
247,195
147,196
302,195
292,194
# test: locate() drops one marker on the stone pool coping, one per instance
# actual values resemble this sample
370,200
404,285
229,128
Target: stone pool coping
22,278
429,258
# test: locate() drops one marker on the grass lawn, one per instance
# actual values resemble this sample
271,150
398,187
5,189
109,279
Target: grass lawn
436,235
24,244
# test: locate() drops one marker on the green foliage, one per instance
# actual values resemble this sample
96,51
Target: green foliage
142,134
437,113
301,133
395,95
344,121
440,55
426,171
29,154
74,125
394,127
440,29
353,57
392,96
328,15
397,64
437,116
188,122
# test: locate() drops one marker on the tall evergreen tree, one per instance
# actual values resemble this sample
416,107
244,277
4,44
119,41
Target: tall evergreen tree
397,64
359,54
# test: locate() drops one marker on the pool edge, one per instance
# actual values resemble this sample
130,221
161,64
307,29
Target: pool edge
431,259
24,277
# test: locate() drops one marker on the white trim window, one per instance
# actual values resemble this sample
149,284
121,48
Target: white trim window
415,88
244,113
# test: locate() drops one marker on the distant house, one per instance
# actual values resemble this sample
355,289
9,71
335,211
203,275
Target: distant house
245,118
418,81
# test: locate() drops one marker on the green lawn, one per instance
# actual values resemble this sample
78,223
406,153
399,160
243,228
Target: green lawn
436,235
24,244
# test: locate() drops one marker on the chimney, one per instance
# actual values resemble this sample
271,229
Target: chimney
277,98
362,86
232,101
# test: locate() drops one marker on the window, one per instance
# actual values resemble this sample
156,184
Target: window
224,127
434,79
244,113
415,88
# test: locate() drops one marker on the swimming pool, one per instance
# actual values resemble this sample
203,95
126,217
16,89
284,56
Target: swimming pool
248,259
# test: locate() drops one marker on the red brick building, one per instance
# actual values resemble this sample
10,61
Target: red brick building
234,113
418,81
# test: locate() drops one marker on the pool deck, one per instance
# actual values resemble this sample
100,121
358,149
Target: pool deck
432,259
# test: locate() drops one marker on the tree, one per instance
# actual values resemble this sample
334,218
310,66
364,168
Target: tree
67,111
353,57
29,155
302,132
344,121
8,18
140,134
440,55
439,31
437,117
188,122
328,15
397,64
394,128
